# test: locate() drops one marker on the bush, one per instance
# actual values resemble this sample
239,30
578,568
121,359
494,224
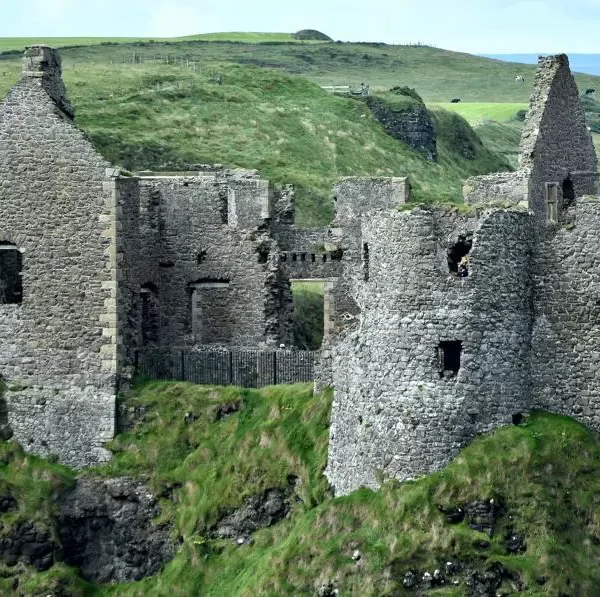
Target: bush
407,91
520,115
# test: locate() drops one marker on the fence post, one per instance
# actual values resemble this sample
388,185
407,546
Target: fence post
274,367
182,366
230,367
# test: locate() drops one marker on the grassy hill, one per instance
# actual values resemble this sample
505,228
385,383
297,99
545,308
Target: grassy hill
437,75
169,104
8,44
163,116
543,477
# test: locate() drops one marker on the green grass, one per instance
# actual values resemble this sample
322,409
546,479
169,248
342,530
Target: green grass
8,44
164,117
155,114
437,75
477,113
308,314
545,473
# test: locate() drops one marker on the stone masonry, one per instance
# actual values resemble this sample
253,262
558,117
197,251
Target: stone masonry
97,264
432,358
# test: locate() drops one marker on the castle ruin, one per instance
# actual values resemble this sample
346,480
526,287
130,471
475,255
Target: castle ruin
97,264
434,358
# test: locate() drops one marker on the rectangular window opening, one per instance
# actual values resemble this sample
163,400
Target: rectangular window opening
449,352
552,202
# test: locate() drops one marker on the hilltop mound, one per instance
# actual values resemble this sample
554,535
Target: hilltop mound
311,34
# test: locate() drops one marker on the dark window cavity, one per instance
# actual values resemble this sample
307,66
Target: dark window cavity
11,266
449,357
224,205
262,253
201,257
458,260
568,192
366,261
150,316
337,254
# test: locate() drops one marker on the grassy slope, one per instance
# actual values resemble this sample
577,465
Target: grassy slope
438,75
164,117
157,115
8,44
546,473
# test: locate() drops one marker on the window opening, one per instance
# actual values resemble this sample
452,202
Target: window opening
11,266
262,252
366,261
458,255
568,192
449,358
551,202
308,320
201,257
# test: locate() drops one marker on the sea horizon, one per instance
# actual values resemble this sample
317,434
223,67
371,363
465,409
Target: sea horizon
580,63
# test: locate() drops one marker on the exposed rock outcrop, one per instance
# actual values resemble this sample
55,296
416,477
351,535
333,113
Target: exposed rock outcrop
410,124
258,511
31,544
107,531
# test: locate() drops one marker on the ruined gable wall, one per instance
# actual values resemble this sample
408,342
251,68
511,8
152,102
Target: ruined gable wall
566,336
58,349
392,412
555,141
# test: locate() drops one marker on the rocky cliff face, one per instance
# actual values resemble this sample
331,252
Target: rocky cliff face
107,531
410,124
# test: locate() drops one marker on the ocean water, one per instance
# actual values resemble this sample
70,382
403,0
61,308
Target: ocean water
580,63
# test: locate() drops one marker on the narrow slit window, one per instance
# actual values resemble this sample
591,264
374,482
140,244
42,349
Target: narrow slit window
366,262
150,314
11,266
552,202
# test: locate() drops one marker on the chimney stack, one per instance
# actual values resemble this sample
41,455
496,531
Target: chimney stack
44,63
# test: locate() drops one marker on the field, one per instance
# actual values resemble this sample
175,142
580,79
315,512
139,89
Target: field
477,113
8,44
438,75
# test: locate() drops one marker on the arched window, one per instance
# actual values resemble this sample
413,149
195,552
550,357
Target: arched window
11,266
150,317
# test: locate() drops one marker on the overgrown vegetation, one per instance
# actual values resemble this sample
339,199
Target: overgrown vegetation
544,476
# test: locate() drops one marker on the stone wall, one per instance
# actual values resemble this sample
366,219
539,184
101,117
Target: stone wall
202,262
58,349
566,333
555,142
501,187
397,412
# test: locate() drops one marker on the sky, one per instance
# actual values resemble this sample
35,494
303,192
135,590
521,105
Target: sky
475,26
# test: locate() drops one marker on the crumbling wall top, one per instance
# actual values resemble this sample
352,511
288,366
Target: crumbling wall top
44,63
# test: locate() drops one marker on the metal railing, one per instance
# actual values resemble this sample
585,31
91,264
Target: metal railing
223,366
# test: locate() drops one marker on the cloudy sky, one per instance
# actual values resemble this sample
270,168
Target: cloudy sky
477,26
